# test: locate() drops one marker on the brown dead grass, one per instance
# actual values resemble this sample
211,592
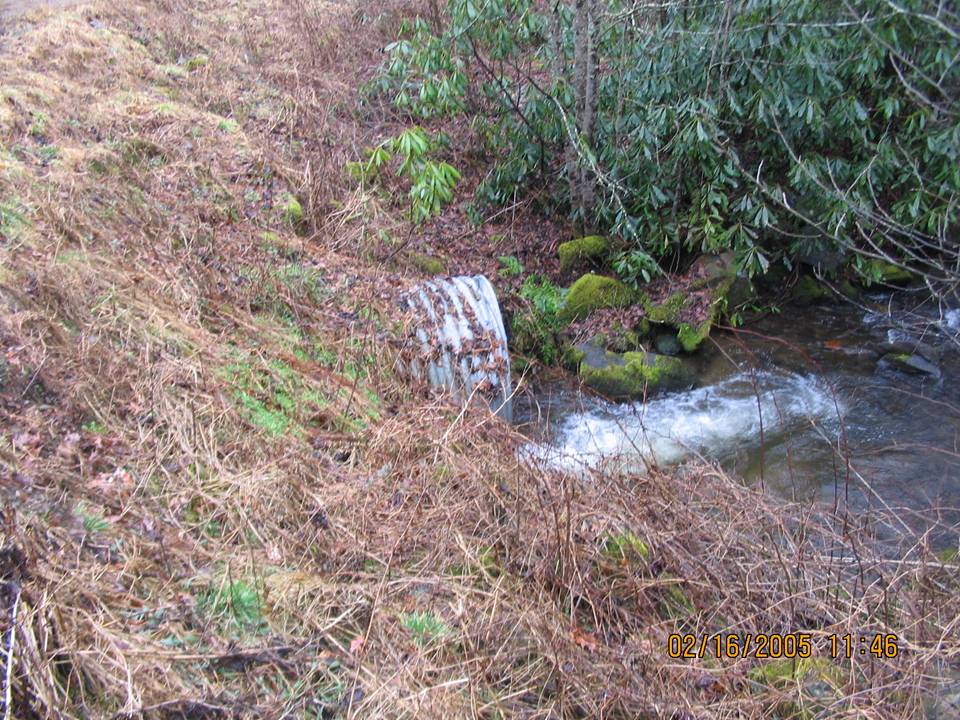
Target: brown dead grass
219,500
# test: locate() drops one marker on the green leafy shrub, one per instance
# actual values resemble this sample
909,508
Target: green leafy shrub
510,266
431,182
759,126
535,328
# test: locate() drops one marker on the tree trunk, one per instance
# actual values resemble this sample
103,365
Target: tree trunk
590,99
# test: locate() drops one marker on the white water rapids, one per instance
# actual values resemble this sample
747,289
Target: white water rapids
709,421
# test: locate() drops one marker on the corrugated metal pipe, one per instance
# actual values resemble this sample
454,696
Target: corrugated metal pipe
461,341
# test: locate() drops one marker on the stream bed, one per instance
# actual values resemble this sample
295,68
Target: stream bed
859,403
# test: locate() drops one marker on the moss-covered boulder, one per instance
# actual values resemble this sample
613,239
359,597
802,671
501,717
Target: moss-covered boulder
583,252
592,292
667,312
714,269
666,343
692,336
885,272
808,291
427,264
670,312
631,374
683,311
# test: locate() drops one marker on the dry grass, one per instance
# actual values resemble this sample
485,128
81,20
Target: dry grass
219,500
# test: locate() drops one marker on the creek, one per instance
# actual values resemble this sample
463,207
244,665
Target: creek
813,403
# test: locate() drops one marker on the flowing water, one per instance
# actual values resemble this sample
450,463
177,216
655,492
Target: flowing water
800,402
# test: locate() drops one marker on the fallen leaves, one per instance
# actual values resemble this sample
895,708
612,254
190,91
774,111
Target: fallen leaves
581,638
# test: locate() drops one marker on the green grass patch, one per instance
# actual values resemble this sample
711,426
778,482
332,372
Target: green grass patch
235,606
424,627
13,220
93,521
625,546
282,402
228,126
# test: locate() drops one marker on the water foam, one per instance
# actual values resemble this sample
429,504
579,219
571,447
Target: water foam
952,319
710,422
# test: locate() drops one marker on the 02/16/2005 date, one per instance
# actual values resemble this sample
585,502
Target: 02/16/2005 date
779,645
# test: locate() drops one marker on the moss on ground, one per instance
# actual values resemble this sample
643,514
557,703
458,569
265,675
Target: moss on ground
624,546
667,312
592,292
575,254
810,685
290,210
427,264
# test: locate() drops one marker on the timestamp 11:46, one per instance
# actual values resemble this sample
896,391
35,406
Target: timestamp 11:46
880,645
781,645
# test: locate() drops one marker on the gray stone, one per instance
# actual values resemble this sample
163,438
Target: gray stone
667,344
901,343
911,364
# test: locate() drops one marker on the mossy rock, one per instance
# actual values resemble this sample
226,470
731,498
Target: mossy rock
886,273
290,209
808,291
632,374
667,344
592,292
585,251
691,337
622,340
571,357
911,363
717,269
427,264
670,311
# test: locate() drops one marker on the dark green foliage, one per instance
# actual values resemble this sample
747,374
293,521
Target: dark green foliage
762,126
535,328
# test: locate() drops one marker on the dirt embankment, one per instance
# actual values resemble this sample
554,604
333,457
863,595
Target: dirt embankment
18,7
